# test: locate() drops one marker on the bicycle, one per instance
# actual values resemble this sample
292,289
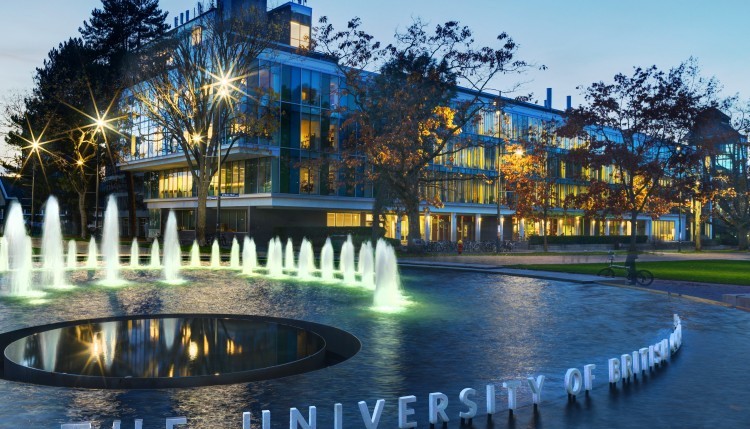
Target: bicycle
642,277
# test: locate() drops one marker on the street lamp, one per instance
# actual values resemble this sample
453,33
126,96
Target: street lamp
224,85
35,149
500,146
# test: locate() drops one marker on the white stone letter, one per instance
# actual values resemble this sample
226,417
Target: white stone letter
371,422
511,386
296,420
614,370
438,404
338,416
536,388
490,399
626,368
573,381
464,397
588,376
644,359
404,412
173,421
85,425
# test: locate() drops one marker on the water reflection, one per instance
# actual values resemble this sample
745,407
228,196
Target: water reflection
169,347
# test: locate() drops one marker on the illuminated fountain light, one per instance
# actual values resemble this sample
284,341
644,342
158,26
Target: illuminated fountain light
155,251
346,261
72,262
215,255
306,261
172,252
366,265
3,254
111,244
274,258
195,255
249,255
388,295
135,254
53,256
289,255
326,262
91,259
19,253
234,255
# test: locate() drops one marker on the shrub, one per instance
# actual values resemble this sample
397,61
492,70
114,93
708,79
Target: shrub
586,239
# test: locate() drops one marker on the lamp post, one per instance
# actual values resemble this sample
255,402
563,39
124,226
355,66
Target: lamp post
224,85
500,146
99,123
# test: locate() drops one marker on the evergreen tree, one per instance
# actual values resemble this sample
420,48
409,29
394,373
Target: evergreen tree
121,27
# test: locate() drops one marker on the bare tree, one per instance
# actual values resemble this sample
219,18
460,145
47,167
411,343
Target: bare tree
193,88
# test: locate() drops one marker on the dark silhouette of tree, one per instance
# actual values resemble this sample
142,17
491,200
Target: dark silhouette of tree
404,110
632,131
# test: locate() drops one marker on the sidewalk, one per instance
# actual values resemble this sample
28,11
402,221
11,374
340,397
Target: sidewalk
721,294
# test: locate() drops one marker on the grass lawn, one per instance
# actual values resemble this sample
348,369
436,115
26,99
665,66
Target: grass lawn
708,271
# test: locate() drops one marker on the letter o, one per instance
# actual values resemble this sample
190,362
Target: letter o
573,381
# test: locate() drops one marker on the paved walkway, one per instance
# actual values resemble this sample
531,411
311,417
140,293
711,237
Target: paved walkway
731,295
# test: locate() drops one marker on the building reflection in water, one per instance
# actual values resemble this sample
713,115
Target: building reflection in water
170,347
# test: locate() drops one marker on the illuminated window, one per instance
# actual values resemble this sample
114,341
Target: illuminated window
342,219
197,35
300,35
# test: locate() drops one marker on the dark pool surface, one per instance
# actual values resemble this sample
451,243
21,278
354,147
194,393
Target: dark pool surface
170,348
462,330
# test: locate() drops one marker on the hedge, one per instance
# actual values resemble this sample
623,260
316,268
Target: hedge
586,239
317,234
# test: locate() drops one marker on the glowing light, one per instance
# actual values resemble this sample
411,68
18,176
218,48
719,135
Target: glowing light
519,152
193,350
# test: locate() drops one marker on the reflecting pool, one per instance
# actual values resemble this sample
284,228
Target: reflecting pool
460,330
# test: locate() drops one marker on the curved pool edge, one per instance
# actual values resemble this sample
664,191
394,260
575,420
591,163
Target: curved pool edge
338,346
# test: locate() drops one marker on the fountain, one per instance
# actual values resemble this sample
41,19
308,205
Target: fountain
135,254
111,243
91,260
172,252
53,256
155,253
274,256
387,281
72,255
346,261
195,255
326,262
249,256
215,255
289,255
3,254
19,256
366,265
234,255
306,261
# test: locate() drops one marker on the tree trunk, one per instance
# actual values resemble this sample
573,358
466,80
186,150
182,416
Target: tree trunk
544,233
82,211
132,220
697,222
200,213
742,237
412,212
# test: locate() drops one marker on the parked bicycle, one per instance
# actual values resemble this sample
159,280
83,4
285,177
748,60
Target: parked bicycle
642,277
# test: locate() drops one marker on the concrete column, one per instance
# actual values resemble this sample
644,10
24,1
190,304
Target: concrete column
522,228
427,223
398,227
606,227
578,228
620,229
559,226
648,229
502,228
454,225
477,227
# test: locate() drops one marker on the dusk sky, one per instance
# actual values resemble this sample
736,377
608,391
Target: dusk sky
580,41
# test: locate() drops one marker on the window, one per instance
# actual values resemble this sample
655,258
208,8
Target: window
300,35
197,35
342,219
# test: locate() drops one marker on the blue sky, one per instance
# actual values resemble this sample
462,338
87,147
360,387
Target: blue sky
580,41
